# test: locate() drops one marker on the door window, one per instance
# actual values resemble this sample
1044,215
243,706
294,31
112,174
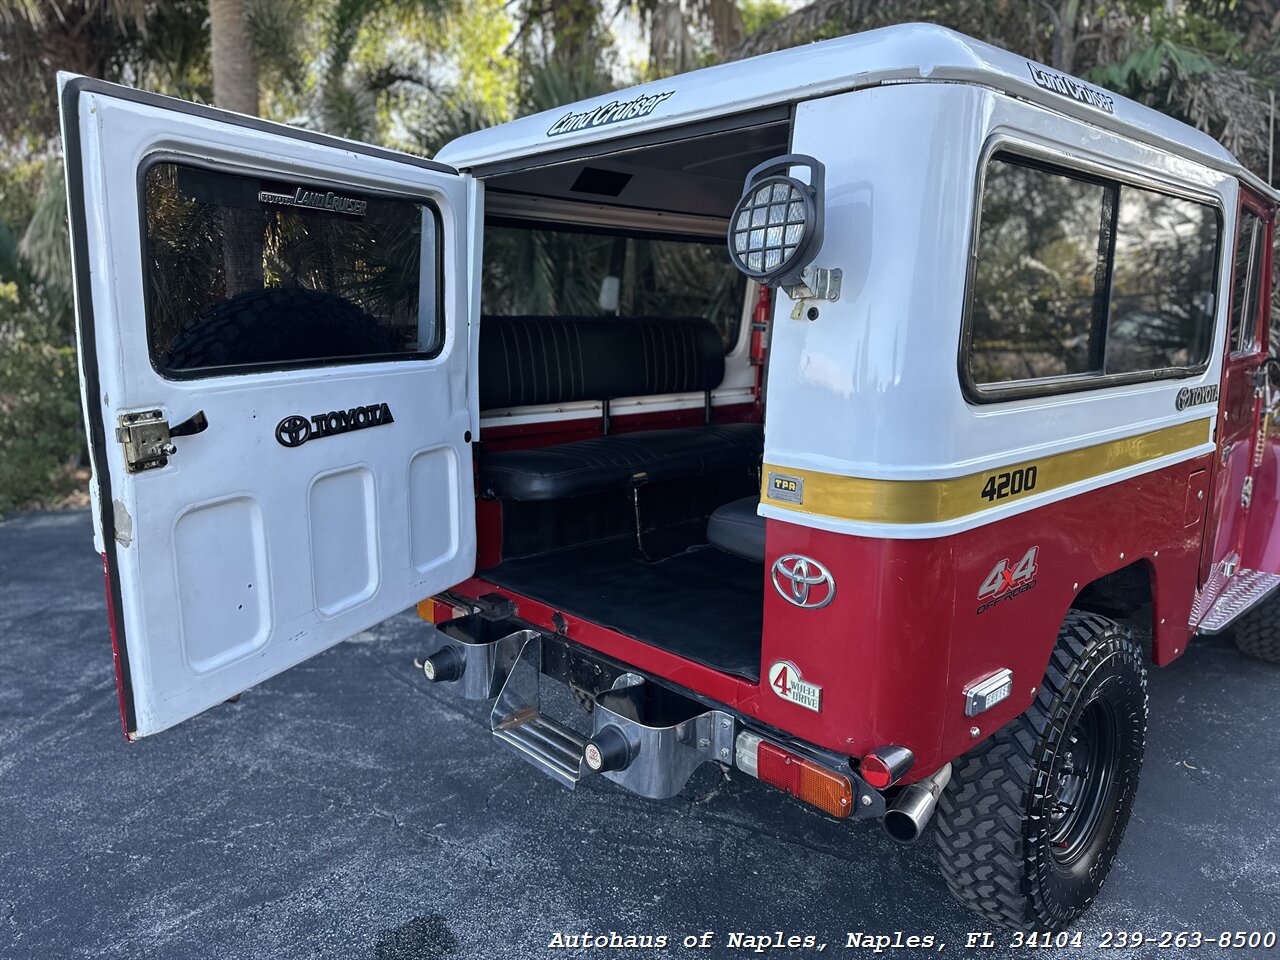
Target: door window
1246,282
246,272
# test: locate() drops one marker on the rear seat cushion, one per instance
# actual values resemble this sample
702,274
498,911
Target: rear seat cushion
617,461
526,361
736,528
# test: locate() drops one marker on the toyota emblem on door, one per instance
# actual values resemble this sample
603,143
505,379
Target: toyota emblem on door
293,431
803,581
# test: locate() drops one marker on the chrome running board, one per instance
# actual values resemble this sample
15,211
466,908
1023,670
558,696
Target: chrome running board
1243,592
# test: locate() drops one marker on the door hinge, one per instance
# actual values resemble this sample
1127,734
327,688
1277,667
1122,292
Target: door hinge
1246,495
147,437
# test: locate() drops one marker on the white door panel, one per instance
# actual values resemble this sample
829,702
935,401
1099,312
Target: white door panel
263,539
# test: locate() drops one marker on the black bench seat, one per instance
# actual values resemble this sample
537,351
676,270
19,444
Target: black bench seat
619,461
542,361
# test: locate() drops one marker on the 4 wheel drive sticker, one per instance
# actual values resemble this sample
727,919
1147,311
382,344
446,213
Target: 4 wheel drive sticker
784,679
611,112
1007,581
316,200
295,431
1047,79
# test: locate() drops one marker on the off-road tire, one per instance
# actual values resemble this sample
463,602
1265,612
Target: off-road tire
995,821
1257,633
276,325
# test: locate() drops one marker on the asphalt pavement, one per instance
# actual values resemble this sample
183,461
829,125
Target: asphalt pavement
346,810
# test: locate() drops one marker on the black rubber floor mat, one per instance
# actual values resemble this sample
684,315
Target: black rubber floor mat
704,605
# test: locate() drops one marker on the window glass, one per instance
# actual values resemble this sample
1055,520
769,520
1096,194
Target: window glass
247,272
1162,283
1034,289
1246,276
1275,298
539,272
1086,278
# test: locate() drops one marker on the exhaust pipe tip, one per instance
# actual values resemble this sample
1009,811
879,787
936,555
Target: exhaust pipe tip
913,808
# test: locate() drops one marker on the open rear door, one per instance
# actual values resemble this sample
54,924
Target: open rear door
276,350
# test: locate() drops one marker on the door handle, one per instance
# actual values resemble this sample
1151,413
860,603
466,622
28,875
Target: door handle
196,423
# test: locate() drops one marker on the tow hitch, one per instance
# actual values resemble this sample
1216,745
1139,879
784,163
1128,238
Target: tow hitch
642,735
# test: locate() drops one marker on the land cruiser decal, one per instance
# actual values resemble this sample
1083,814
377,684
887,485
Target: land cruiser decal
295,431
1005,582
1069,87
1194,396
785,681
611,112
316,200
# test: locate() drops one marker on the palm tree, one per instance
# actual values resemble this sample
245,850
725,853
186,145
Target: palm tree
235,68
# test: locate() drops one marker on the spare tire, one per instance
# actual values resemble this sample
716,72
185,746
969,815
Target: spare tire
277,325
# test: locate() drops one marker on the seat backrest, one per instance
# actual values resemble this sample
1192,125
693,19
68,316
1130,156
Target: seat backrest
526,361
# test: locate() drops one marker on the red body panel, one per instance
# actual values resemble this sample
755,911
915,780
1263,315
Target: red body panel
896,648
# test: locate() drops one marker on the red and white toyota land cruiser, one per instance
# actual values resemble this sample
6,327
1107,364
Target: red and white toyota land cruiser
864,417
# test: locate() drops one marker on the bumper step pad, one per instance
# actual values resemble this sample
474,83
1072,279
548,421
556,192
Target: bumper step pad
517,719
1243,592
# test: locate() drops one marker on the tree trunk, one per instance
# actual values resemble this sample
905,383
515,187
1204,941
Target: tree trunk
235,87
235,69
573,25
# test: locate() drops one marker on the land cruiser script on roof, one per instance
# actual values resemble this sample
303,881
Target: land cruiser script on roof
1070,87
315,200
611,112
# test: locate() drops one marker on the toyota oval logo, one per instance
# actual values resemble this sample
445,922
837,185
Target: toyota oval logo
293,431
803,581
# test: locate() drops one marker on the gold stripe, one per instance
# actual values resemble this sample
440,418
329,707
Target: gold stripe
931,501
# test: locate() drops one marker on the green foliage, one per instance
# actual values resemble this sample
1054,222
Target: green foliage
760,13
41,438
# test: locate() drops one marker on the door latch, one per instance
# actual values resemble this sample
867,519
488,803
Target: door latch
147,437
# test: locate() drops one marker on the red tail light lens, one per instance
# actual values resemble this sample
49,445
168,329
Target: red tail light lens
804,779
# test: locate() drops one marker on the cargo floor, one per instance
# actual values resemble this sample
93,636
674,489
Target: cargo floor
702,604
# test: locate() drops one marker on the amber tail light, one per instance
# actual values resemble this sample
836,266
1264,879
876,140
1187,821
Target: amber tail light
799,776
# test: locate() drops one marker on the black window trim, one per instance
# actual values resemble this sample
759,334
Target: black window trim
1033,155
204,373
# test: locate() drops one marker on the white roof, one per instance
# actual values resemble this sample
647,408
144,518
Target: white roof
915,51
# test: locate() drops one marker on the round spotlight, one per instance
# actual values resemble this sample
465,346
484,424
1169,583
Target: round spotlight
776,228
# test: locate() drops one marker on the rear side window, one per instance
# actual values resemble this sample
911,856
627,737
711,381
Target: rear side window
249,273
1082,281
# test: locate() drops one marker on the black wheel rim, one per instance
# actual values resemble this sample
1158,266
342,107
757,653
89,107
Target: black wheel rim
1082,782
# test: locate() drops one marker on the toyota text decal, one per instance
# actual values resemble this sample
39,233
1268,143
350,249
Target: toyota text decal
294,431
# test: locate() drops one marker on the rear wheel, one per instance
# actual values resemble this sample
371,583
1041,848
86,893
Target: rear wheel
1030,824
1257,633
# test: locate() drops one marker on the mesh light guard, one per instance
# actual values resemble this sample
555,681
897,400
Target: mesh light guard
776,228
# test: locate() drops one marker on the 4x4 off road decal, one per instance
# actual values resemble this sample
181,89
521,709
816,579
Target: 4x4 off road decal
295,431
785,681
1007,581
